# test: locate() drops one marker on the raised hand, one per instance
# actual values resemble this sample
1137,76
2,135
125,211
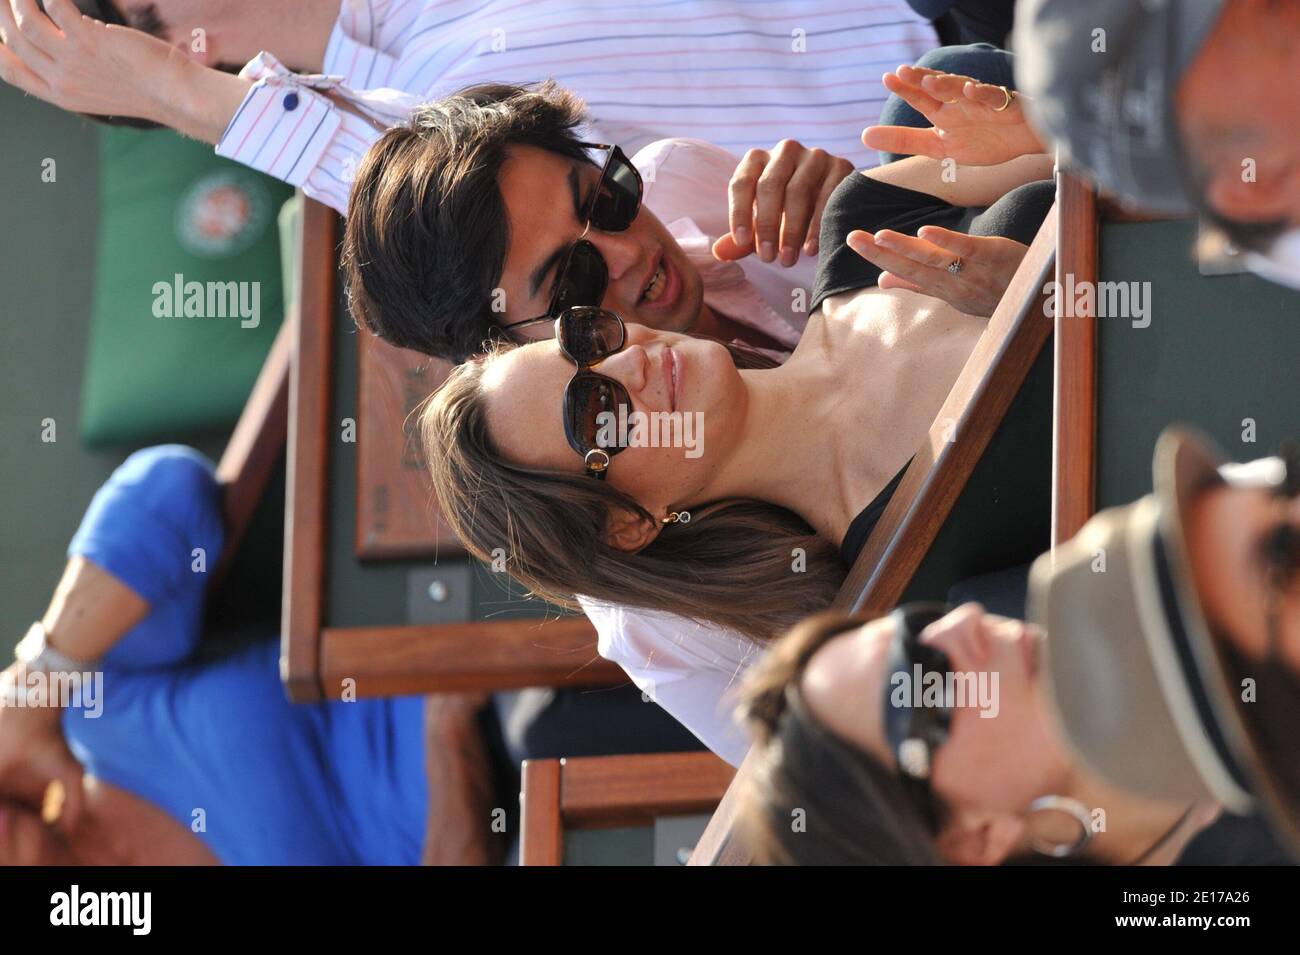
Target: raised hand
78,63
973,123
925,263
776,200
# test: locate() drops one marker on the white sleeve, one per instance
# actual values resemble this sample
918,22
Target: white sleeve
691,669
292,126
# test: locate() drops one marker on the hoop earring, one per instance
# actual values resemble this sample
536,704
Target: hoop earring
1072,808
676,517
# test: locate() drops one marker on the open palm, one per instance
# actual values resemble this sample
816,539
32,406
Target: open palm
967,124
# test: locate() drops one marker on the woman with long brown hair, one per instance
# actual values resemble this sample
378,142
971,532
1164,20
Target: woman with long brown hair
777,475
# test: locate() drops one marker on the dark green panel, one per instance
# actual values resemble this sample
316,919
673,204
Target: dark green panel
1218,350
632,846
1002,518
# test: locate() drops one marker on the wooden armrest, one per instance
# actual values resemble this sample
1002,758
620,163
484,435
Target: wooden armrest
461,657
607,791
255,445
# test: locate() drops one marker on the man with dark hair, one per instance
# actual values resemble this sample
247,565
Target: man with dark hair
477,220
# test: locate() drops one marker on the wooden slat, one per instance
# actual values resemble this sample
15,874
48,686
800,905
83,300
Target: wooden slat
541,840
605,791
1074,412
396,513
987,385
719,845
459,657
907,528
308,456
255,445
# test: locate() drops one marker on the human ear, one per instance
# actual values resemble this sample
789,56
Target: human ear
1248,199
627,531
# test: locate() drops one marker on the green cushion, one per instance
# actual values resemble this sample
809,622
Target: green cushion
163,363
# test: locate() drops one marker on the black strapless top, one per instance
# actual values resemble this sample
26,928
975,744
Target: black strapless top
856,536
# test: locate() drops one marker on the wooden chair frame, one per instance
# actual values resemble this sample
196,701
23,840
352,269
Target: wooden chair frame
601,792
389,659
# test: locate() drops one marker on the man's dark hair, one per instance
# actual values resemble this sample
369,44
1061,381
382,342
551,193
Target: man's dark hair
427,231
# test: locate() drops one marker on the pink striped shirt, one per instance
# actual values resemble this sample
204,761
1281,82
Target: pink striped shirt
737,74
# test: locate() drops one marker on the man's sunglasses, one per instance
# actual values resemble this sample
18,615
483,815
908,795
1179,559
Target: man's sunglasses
915,732
588,335
583,276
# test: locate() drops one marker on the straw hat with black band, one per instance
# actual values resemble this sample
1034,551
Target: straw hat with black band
1139,681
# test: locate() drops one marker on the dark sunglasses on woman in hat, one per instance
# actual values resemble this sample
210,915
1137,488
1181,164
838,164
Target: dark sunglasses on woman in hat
583,277
915,732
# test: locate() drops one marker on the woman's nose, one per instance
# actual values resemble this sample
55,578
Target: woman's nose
627,367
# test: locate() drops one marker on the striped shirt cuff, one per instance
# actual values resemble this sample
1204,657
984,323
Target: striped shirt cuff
284,123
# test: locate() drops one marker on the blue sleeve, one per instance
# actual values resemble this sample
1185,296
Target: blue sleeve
155,525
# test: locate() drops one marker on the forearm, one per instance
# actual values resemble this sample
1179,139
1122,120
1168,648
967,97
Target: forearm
90,611
963,185
197,101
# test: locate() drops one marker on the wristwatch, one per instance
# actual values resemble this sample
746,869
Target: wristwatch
35,653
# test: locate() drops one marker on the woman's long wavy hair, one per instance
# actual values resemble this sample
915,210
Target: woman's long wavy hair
743,564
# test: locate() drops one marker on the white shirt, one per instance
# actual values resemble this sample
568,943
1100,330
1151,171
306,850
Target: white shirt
690,669
735,73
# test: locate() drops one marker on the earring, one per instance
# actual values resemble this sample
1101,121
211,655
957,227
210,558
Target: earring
676,517
1072,808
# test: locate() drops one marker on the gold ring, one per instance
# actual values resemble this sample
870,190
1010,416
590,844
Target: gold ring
1009,94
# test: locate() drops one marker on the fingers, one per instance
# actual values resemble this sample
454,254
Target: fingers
34,26
905,140
992,97
800,206
17,41
770,195
904,270
912,94
944,86
915,249
725,249
840,169
958,243
740,198
17,74
65,15
890,260
889,280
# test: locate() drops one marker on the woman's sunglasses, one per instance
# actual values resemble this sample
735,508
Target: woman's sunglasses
592,424
915,732
583,276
